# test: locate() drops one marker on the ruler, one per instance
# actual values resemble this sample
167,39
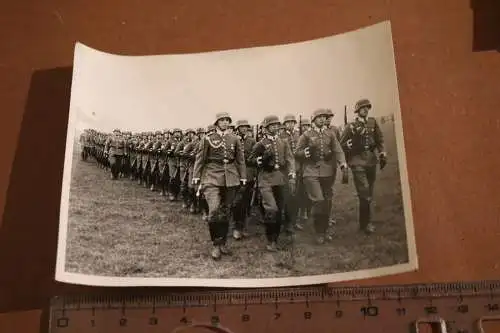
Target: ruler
464,307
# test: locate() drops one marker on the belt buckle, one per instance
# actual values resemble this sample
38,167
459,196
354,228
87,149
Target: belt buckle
225,161
276,167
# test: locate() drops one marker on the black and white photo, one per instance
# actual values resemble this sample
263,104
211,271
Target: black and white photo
266,166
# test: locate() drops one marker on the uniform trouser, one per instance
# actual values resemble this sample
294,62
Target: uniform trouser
241,206
173,169
115,162
320,193
219,200
364,181
302,200
273,203
184,182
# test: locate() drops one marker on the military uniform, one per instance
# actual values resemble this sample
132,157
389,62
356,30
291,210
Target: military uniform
115,149
292,137
360,140
189,154
242,202
162,175
276,169
185,160
320,153
85,145
200,197
220,166
173,164
154,157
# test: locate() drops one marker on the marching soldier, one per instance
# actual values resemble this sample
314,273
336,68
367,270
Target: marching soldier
320,153
155,151
184,165
220,167
162,175
115,149
303,202
203,205
289,134
132,150
336,131
173,164
242,202
361,139
189,156
276,168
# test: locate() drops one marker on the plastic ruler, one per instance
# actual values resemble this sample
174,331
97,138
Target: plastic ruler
463,307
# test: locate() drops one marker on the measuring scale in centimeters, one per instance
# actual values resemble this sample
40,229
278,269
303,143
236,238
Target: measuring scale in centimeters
450,307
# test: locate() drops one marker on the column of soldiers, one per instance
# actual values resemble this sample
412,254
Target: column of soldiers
285,169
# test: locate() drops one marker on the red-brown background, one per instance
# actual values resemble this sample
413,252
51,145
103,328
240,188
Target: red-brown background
449,98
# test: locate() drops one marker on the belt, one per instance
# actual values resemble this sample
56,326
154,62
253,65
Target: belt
220,161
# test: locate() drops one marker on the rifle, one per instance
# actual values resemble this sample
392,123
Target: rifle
345,172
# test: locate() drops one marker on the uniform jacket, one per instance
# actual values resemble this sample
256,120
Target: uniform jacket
115,146
190,150
335,130
277,161
248,142
326,153
171,149
220,160
366,138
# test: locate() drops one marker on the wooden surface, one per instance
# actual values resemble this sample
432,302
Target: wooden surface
449,97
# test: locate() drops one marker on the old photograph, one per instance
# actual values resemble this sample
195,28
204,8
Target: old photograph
266,166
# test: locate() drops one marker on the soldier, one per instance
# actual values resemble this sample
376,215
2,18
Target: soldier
220,163
189,156
336,131
85,144
360,139
320,152
242,202
155,152
125,172
303,202
276,167
184,161
162,175
199,194
115,149
292,137
173,164
132,150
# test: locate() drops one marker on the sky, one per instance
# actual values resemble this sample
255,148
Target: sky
145,93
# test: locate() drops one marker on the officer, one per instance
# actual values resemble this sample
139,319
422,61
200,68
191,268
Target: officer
276,169
320,153
220,168
115,149
361,140
242,202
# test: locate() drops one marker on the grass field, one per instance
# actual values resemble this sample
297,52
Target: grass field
118,228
